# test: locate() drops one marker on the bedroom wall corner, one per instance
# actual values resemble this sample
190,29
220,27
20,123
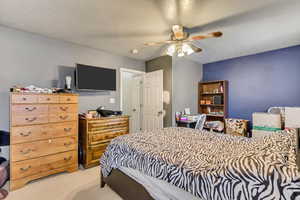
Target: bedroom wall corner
186,76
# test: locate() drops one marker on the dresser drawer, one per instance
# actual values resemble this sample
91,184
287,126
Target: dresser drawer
30,133
63,117
29,119
48,99
65,129
68,99
30,167
23,98
42,132
36,149
95,152
106,124
34,109
105,136
63,108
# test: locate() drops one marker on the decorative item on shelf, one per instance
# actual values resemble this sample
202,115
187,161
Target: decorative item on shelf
216,90
208,109
221,88
217,100
202,102
207,101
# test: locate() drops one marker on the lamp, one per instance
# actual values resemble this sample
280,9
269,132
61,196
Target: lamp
292,120
181,49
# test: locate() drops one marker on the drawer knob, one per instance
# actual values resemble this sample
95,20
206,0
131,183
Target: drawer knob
24,169
48,99
49,141
68,99
30,109
63,118
24,98
25,135
68,159
67,144
67,129
31,119
26,151
64,108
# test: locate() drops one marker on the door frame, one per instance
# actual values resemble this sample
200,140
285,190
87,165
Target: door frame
122,70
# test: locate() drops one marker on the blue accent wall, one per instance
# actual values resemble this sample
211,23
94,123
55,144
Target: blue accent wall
259,81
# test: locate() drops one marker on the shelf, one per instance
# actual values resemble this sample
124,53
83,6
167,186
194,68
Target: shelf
213,105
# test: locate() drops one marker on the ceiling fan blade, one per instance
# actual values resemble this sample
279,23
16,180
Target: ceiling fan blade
195,48
202,37
159,43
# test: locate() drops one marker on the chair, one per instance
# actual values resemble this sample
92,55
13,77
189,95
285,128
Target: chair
200,122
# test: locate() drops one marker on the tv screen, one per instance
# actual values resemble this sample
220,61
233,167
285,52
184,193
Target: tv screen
95,78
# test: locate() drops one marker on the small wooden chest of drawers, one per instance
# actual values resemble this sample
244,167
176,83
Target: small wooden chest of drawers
96,134
44,136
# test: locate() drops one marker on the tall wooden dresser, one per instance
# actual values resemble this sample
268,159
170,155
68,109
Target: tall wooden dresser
44,136
95,134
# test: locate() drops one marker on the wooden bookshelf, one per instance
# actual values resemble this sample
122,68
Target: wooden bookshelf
213,99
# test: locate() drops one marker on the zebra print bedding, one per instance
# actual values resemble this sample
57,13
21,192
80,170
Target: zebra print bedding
211,166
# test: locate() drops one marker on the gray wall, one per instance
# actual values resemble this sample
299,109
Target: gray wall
32,59
186,75
164,63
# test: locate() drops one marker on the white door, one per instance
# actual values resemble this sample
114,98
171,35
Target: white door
135,114
153,100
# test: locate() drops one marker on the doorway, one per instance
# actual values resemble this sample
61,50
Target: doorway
132,97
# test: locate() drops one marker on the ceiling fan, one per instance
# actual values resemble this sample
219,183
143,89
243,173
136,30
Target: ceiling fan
180,40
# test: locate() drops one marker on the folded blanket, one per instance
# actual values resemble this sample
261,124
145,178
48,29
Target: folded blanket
211,166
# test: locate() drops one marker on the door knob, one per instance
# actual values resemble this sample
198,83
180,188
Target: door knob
134,110
160,112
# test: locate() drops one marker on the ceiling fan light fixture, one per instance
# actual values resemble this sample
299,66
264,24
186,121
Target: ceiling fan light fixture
187,49
171,49
180,50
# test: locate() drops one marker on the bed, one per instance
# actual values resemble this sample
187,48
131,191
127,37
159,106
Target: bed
181,163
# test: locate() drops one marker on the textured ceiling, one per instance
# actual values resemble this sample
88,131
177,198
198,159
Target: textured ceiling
118,26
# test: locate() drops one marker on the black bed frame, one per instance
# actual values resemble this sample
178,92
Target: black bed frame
124,186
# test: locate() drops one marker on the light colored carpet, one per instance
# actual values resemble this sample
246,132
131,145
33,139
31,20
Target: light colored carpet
80,185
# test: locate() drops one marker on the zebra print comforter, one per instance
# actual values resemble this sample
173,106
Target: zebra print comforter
211,166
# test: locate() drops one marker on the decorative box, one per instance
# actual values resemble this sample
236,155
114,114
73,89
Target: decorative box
292,117
266,121
238,127
265,124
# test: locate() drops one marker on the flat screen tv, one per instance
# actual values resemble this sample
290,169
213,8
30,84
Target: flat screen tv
95,78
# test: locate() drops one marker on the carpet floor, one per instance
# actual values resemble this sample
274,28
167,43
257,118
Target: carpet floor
80,185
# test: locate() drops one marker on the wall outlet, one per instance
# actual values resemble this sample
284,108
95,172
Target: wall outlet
112,100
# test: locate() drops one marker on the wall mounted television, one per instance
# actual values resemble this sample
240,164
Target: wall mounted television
95,78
